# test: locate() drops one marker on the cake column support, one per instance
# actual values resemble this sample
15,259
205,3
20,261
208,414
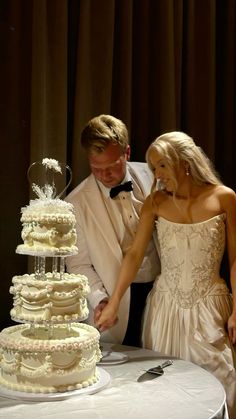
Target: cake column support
54,265
36,266
62,267
42,263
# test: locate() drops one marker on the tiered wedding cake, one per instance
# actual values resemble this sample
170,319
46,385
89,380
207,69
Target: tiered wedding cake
50,351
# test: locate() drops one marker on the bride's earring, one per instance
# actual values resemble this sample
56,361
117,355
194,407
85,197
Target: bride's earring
187,171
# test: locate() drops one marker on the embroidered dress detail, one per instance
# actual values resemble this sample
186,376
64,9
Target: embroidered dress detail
188,308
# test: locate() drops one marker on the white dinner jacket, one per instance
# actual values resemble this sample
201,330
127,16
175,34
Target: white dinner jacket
99,256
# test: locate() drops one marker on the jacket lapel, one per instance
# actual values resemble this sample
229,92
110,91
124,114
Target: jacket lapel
96,211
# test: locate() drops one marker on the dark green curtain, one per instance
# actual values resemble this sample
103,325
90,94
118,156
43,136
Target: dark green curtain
159,65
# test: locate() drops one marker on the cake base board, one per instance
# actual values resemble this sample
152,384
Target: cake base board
45,253
48,323
103,381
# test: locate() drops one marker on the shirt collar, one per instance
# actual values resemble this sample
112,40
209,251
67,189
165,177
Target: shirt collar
106,191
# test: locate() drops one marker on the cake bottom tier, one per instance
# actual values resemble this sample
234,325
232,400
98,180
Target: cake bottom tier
38,359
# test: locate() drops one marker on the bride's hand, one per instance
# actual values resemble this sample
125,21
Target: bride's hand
108,317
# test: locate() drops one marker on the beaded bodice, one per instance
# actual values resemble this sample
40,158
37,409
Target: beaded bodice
190,257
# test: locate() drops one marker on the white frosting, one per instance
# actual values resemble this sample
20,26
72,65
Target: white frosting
53,353
45,360
51,164
48,228
50,297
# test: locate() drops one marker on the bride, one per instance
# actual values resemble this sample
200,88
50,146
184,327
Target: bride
190,312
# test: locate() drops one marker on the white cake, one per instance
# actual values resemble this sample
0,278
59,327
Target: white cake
48,228
40,360
51,352
49,298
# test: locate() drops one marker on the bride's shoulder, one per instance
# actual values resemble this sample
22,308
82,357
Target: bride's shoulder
224,191
155,199
226,195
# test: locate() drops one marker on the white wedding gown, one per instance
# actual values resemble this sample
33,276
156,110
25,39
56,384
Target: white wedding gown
187,311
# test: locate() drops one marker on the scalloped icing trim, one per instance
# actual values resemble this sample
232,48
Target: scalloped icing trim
47,317
43,250
51,389
9,339
45,314
49,218
49,204
19,367
49,278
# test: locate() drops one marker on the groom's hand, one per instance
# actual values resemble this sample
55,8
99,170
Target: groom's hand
98,310
106,318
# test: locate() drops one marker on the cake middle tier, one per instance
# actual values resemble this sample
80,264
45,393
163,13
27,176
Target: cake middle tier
52,299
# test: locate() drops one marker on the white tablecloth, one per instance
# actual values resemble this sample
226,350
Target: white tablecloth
185,391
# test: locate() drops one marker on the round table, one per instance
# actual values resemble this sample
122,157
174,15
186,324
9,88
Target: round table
184,391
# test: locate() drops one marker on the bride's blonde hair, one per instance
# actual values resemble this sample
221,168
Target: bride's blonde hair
177,147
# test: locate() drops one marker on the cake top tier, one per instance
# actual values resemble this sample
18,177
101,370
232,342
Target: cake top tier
48,222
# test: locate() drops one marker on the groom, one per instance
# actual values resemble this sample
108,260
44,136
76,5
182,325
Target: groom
107,207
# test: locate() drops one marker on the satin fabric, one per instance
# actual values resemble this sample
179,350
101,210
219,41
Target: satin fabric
187,310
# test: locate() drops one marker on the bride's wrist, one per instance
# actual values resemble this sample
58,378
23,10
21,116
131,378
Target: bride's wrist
115,301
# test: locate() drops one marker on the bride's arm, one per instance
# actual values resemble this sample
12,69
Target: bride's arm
130,265
229,201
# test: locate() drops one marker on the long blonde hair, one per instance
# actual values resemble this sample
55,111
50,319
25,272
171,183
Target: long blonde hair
177,147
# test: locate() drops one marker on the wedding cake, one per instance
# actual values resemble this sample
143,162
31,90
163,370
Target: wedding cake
49,298
48,222
51,351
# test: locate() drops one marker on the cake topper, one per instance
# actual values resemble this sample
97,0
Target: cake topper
49,179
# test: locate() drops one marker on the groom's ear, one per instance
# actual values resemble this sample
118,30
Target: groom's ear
128,151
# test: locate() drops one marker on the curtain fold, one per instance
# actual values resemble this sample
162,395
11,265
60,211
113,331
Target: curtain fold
48,113
94,65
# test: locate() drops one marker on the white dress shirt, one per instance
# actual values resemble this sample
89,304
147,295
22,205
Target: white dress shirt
124,210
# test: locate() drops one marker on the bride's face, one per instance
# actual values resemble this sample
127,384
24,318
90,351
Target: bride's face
163,172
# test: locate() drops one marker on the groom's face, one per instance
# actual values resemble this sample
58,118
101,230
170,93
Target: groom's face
109,167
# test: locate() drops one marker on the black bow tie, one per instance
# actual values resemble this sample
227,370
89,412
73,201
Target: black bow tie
127,186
